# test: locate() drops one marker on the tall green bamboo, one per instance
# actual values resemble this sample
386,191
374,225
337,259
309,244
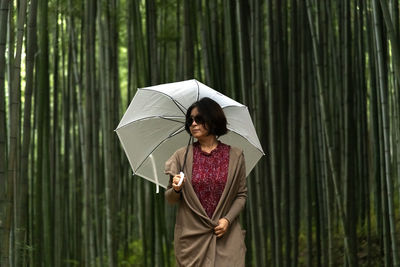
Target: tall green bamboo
65,146
89,130
41,237
4,203
112,183
75,82
294,123
151,33
55,159
13,178
11,45
391,25
385,128
256,69
189,29
273,110
243,50
22,190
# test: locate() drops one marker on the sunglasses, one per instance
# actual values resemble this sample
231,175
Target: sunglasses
198,119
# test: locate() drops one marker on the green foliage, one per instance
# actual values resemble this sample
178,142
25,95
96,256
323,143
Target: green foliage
71,262
132,257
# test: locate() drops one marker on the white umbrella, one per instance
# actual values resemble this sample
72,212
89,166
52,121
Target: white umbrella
153,127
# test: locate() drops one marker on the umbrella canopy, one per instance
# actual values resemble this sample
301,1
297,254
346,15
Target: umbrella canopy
153,127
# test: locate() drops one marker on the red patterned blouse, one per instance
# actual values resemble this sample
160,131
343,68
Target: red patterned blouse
209,174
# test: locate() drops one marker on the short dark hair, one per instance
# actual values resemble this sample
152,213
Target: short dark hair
213,115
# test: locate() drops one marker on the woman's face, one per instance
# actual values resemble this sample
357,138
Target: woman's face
197,128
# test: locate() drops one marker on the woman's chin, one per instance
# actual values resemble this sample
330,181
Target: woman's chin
197,135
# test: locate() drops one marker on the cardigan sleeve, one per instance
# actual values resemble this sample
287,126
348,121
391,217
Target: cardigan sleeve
172,168
241,196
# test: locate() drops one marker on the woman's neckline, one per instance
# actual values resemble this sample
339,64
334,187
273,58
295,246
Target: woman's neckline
211,151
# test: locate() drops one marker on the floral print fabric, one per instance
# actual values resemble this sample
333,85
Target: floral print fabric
209,174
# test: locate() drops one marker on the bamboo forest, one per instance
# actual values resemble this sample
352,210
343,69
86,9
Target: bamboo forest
321,80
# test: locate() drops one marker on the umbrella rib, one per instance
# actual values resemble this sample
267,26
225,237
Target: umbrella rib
248,141
169,119
198,90
150,117
165,139
235,106
170,97
177,132
178,106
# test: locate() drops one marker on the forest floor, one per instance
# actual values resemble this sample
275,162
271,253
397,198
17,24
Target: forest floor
369,252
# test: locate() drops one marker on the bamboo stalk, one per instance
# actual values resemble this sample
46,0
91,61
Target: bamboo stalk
23,207
4,203
391,31
188,44
385,129
13,176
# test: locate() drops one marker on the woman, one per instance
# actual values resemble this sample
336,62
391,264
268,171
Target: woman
213,192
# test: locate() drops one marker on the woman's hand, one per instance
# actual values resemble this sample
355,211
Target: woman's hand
175,182
222,227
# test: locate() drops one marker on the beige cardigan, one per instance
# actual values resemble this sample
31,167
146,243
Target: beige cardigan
194,239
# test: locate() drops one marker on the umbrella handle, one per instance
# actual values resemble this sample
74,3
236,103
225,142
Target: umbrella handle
181,179
153,164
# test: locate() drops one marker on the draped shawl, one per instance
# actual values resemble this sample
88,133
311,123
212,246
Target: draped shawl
195,242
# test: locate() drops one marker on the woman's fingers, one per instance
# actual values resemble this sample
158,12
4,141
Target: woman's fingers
175,182
222,227
219,231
